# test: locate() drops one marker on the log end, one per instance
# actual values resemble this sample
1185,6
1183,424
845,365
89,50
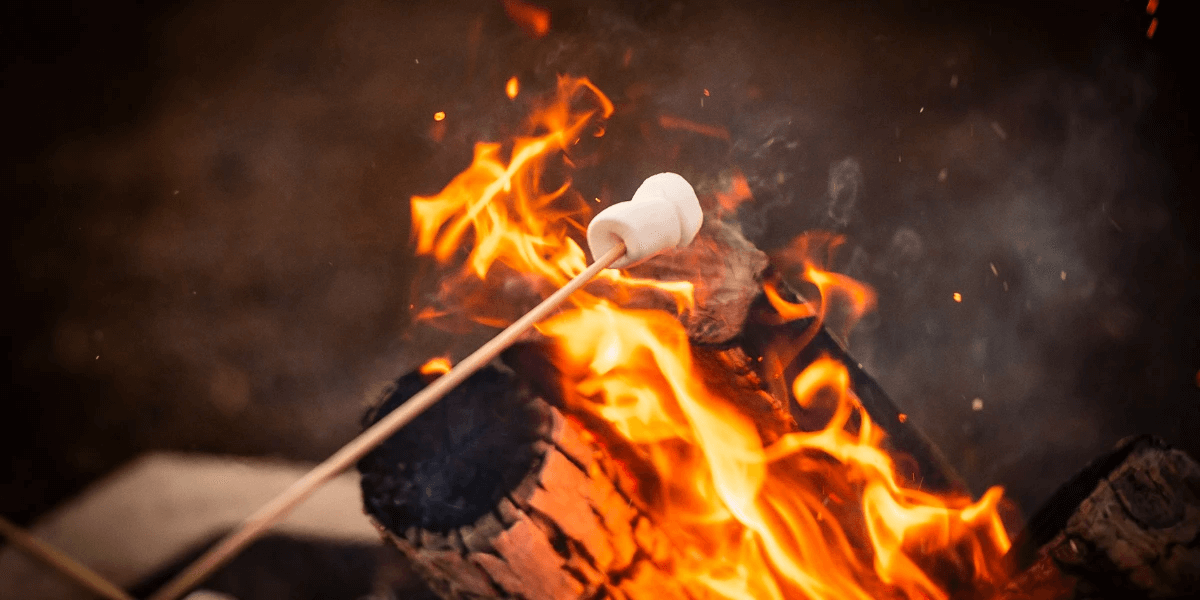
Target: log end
455,461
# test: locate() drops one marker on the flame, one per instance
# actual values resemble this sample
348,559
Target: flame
803,514
436,366
502,210
511,88
738,193
811,253
534,20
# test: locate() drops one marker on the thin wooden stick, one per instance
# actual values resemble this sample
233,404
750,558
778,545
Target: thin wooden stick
53,557
275,510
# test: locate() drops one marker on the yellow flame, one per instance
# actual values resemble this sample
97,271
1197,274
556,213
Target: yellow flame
436,366
500,210
808,514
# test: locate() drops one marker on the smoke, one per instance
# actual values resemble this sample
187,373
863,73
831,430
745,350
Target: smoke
244,269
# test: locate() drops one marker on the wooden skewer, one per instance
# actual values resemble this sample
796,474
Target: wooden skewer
53,557
275,510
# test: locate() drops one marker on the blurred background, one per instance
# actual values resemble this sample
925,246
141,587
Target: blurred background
209,216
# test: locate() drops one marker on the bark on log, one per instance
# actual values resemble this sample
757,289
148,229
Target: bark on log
1127,526
514,502
726,270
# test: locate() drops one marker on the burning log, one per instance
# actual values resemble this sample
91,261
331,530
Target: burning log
624,455
727,271
1127,526
494,494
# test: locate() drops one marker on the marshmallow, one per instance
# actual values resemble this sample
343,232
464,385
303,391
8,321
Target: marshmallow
664,213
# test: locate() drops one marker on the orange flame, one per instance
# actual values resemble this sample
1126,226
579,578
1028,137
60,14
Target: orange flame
502,210
436,366
534,20
511,88
738,193
811,253
808,514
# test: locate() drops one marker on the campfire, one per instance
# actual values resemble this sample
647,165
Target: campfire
687,428
690,423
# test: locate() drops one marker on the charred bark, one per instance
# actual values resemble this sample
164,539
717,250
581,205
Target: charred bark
1127,526
726,270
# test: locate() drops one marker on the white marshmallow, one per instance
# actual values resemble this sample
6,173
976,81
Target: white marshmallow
664,213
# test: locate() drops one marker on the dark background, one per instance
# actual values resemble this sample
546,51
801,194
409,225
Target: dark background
209,223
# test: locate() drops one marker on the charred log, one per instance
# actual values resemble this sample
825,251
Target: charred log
494,494
1127,526
726,270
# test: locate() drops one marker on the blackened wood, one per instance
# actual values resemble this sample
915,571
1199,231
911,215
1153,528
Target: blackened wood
455,461
565,529
1127,526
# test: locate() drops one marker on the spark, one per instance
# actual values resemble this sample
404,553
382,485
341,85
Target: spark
439,115
714,131
957,297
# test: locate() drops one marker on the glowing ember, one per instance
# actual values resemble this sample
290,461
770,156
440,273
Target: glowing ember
1153,27
439,115
534,20
810,514
511,88
713,131
957,297
436,366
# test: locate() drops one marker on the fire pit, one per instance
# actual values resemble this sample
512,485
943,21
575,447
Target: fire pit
713,422
738,451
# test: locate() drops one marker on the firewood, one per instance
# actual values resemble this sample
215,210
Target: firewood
1127,526
726,270
495,494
